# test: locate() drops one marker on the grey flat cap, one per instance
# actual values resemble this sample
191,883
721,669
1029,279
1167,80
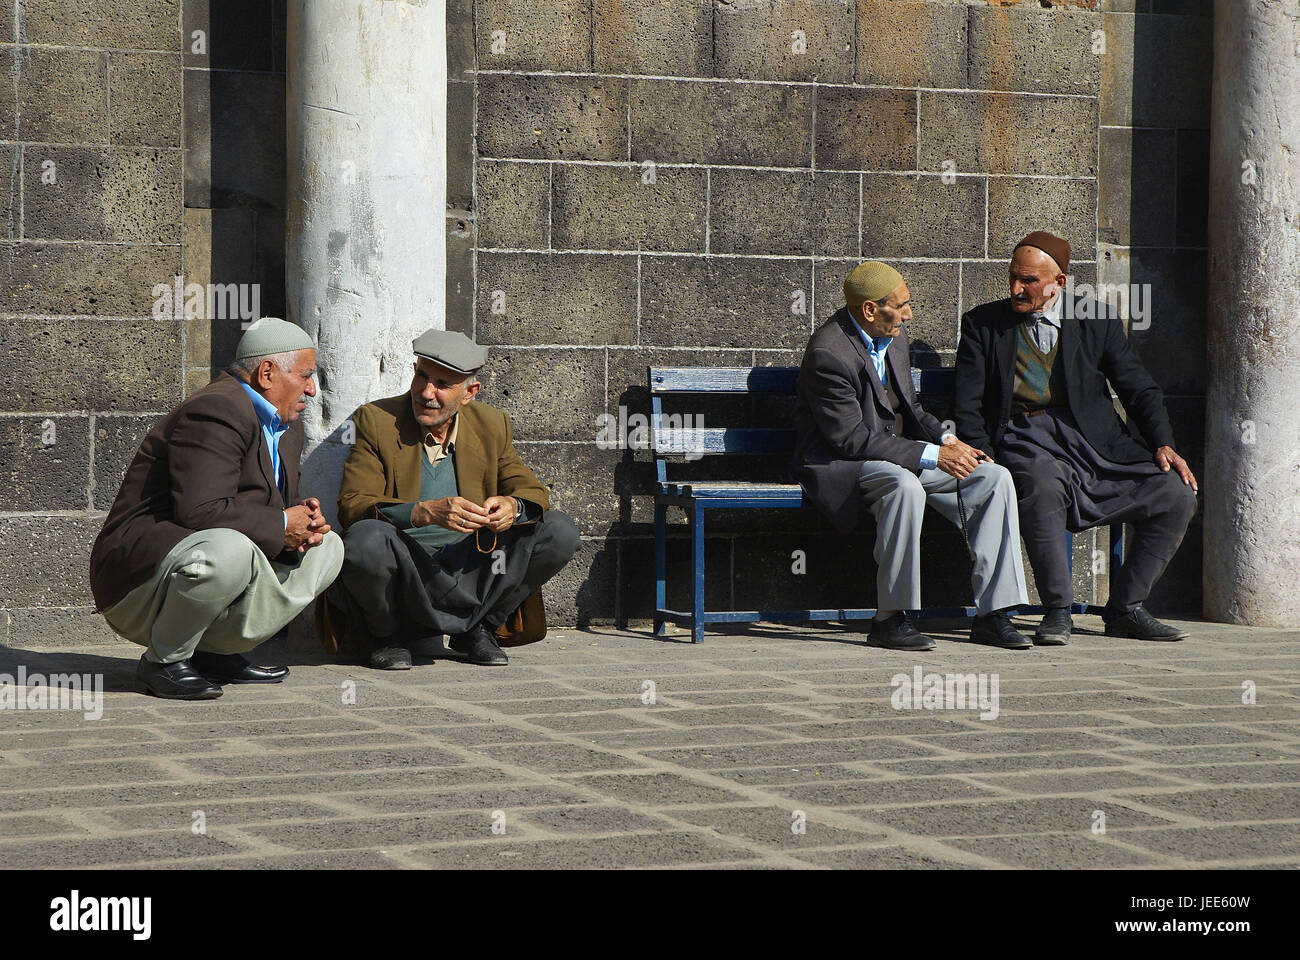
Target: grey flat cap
272,335
455,351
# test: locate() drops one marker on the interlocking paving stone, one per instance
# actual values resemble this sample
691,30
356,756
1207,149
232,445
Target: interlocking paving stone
326,725
685,737
331,860
1247,842
524,708
1089,781
1047,815
778,776
215,815
377,832
768,754
85,774
1031,761
879,858
656,789
1054,851
1241,772
341,760
1254,803
35,826
499,798
631,850
748,727
869,792
775,826
1187,735
558,758
131,848
1232,753
591,819
582,722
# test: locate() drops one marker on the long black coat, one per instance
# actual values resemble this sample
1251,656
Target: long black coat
1092,351
842,417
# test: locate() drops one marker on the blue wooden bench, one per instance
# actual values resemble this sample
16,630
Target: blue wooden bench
697,497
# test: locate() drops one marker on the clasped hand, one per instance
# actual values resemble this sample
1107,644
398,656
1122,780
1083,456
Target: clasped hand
465,516
305,526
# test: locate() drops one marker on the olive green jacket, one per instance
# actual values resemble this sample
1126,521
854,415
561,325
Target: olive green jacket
383,467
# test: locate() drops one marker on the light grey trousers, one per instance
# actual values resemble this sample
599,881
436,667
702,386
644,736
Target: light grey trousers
897,498
216,591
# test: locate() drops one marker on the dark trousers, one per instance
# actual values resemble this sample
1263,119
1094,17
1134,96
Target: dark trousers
395,595
1159,507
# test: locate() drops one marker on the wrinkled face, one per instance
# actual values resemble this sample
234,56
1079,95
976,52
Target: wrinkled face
887,319
1035,279
437,393
287,392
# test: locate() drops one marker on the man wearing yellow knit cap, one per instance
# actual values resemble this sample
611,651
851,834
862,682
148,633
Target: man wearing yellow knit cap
864,441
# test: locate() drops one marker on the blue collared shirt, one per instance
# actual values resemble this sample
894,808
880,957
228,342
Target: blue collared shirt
876,347
272,430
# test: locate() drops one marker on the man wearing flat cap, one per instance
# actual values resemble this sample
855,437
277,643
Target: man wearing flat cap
447,531
863,440
1032,373
202,557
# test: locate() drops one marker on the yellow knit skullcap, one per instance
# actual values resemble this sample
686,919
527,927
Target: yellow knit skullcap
872,280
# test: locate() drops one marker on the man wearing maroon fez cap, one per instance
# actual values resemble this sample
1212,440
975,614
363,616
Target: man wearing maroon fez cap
1031,389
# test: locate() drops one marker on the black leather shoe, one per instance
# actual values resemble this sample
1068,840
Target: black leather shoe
1137,624
175,681
233,668
996,630
391,658
1054,630
897,633
479,647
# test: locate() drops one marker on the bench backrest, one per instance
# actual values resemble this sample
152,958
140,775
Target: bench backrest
670,436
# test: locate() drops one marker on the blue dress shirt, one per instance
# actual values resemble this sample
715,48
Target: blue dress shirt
272,430
876,347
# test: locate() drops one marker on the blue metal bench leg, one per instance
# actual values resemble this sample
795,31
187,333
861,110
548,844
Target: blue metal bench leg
697,568
661,568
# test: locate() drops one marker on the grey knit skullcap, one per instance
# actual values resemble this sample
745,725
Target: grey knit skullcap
271,335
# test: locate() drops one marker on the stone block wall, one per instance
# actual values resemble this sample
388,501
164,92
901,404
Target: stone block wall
687,183
630,182
91,152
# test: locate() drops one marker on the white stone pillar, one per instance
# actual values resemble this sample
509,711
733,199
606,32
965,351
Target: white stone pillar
365,239
1252,483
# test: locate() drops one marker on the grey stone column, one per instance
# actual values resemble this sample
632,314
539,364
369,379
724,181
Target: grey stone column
365,242
1252,487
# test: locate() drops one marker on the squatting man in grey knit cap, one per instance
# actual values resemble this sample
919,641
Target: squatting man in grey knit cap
202,557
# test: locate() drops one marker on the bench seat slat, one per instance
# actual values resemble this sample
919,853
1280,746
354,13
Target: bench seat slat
723,440
734,488
723,379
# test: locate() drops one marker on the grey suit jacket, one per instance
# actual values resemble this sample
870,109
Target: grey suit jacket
842,417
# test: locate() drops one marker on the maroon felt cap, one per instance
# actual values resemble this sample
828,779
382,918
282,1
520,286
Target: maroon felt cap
1053,246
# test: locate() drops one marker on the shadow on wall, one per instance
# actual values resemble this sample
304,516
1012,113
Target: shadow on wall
1167,218
247,180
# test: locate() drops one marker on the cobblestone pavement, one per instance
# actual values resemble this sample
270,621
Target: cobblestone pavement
611,749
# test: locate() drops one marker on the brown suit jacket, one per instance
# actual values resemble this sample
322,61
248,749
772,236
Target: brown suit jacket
383,467
205,465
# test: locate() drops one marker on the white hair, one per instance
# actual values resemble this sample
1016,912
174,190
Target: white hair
243,368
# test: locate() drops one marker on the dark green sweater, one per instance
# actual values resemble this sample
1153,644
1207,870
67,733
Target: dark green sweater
1038,382
436,482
